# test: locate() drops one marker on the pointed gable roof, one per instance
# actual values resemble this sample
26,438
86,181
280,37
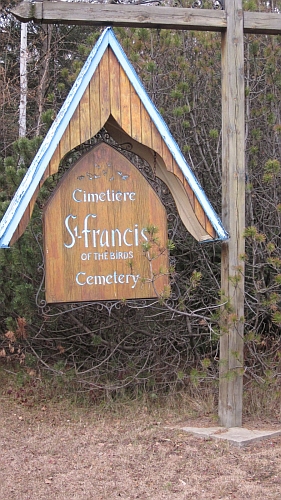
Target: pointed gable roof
109,93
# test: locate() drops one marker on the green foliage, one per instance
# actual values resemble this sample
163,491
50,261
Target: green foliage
171,342
151,67
276,318
176,94
252,232
277,279
25,149
195,278
65,73
272,167
170,245
48,117
178,112
214,133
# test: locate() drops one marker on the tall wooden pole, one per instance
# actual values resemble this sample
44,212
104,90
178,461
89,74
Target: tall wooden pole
233,218
23,81
231,22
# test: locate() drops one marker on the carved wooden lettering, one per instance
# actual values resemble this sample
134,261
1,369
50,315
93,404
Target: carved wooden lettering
96,225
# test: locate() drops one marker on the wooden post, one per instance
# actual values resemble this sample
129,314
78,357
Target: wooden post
232,22
233,218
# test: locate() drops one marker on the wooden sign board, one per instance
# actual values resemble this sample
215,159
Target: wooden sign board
95,225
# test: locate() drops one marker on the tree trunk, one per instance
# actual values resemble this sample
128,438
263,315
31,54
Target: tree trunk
23,81
44,74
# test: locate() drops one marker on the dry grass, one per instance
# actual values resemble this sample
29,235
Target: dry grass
55,451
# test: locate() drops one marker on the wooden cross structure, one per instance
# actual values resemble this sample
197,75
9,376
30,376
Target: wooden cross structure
232,22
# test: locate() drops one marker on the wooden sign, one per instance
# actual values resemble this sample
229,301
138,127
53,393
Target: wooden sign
232,21
95,227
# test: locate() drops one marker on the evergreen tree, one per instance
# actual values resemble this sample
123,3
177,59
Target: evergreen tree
134,344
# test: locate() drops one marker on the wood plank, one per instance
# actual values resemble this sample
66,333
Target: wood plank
177,171
95,111
167,158
28,211
210,230
179,191
23,222
26,216
32,202
55,161
45,175
85,125
51,248
101,236
15,236
114,85
199,212
187,188
185,209
146,129
142,16
125,103
189,192
65,142
104,88
262,22
233,218
74,129
135,115
121,15
157,141
179,174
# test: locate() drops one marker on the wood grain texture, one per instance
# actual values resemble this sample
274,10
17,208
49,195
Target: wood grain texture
16,234
233,217
93,241
121,15
140,16
157,141
167,157
74,129
266,23
135,115
95,111
84,108
32,203
114,85
146,132
209,228
236,22
200,214
182,193
65,144
189,193
45,176
126,116
104,103
54,163
110,93
26,216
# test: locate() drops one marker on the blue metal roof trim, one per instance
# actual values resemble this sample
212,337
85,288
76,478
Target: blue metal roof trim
34,174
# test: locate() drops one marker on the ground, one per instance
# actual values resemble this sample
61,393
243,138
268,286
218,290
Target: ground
50,452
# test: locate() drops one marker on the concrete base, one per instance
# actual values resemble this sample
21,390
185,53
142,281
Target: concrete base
238,436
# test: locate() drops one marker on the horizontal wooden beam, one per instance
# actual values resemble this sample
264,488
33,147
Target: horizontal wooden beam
262,22
121,15
142,16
